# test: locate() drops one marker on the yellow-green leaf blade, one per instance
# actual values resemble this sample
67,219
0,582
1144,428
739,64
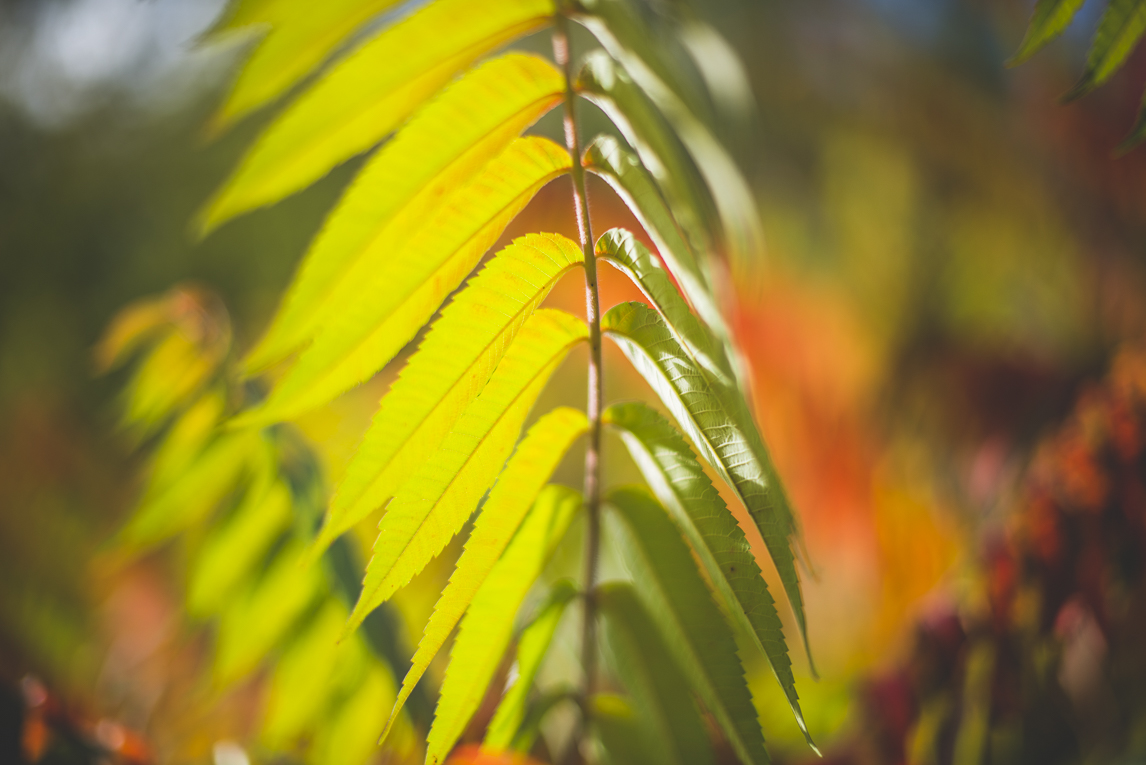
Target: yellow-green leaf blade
717,420
693,628
676,477
486,630
1122,26
453,363
302,34
233,549
442,494
370,93
1050,19
532,647
526,473
400,281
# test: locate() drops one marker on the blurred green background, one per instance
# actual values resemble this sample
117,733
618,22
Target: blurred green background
953,259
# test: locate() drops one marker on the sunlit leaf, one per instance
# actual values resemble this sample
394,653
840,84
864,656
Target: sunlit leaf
235,547
403,277
301,35
687,618
1051,18
532,647
487,628
625,738
526,473
676,477
651,673
183,443
445,490
718,422
368,94
453,363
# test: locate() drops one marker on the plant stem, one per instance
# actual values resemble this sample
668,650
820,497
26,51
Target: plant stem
562,54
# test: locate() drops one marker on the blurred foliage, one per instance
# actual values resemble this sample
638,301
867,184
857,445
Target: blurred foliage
902,402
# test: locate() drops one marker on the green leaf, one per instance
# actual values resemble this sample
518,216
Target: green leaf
1051,18
308,675
1119,31
623,171
652,674
302,34
487,628
168,377
717,420
453,363
367,95
255,622
349,736
233,549
526,473
399,282
441,149
608,85
443,492
532,647
676,477
198,490
626,39
530,728
621,250
183,443
626,738
686,616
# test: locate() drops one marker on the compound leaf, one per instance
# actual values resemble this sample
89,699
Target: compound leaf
685,614
526,473
447,373
443,492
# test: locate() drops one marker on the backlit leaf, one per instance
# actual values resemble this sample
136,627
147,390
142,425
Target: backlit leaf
368,94
301,35
445,490
532,647
651,673
349,736
676,477
687,618
400,281
526,473
447,373
487,628
717,420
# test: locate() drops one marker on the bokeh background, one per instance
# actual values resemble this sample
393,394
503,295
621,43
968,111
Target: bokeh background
945,337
